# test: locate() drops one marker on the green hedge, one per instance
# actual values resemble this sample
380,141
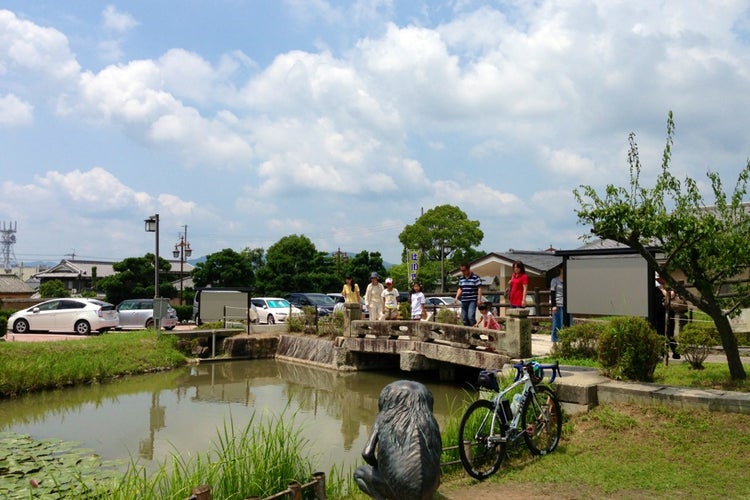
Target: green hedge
630,349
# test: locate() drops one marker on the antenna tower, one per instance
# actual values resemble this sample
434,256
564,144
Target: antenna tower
8,239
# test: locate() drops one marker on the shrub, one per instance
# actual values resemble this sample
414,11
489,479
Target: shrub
404,310
184,313
3,325
331,325
695,343
579,341
629,348
296,324
447,315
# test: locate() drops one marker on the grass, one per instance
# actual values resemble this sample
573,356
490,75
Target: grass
628,451
34,366
259,460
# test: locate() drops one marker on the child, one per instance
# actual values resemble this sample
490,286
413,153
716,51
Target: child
487,318
418,309
390,300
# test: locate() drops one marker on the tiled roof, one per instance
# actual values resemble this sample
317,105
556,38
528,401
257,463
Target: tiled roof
10,283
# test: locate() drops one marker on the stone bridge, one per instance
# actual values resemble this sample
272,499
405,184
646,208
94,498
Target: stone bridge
422,345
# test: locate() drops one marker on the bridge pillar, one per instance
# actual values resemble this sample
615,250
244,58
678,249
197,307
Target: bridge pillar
518,326
412,361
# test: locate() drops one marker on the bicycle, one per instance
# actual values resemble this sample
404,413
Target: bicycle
488,427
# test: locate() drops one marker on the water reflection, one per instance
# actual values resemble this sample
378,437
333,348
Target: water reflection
180,411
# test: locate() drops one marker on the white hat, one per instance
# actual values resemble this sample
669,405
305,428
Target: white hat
388,280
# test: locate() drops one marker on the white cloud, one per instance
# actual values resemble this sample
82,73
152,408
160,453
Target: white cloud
117,21
14,112
28,46
92,189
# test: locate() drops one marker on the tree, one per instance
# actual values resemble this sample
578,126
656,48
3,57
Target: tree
53,289
362,265
226,268
134,279
440,234
708,244
293,264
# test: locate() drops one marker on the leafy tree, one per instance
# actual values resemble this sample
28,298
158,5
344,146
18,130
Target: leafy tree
134,279
226,268
53,289
294,265
362,265
708,244
442,234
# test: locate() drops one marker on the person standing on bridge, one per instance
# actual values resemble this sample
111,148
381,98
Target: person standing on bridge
350,290
418,302
390,300
374,297
469,293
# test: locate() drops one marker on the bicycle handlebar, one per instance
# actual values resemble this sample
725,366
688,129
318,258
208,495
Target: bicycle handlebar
520,367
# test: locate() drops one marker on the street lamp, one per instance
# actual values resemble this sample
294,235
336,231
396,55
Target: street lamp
152,226
182,250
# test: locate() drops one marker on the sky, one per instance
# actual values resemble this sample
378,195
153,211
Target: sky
248,121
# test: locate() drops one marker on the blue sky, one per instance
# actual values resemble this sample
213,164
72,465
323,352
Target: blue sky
251,120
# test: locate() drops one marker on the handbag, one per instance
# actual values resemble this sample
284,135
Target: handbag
678,306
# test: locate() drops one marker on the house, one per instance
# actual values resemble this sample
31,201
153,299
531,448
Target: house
14,292
496,268
78,275
13,287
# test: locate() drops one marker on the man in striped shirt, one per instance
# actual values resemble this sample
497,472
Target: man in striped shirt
469,293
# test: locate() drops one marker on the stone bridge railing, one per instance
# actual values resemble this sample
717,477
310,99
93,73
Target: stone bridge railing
514,341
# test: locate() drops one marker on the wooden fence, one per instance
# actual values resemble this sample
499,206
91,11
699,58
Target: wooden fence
293,491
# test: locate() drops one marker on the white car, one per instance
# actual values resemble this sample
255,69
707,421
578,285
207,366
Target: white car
274,309
81,316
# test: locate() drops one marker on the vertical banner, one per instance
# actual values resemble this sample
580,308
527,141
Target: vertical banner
412,264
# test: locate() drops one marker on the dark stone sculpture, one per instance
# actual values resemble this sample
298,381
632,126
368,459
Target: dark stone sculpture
407,439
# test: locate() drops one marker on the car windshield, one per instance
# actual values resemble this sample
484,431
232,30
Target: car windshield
279,303
321,300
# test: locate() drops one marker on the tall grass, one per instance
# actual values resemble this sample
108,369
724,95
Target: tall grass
32,366
259,460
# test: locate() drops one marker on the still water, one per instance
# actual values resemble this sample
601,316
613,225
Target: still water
150,417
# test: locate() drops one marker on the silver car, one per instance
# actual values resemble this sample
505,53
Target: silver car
139,314
81,316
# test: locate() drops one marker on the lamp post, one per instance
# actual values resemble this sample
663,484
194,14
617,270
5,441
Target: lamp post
152,226
182,250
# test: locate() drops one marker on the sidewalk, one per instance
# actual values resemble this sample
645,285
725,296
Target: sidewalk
582,388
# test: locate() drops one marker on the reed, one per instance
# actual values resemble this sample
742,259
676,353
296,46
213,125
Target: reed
259,460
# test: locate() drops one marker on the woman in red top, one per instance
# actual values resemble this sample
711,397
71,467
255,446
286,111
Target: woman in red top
519,282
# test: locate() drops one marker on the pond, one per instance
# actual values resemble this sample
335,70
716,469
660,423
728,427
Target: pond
150,417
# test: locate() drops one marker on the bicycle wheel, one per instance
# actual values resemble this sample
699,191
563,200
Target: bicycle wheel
481,453
542,421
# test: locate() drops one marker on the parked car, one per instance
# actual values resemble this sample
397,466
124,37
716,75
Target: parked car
139,314
322,302
81,316
272,310
435,303
441,301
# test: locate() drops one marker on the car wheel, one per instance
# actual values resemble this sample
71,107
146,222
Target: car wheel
271,319
82,327
150,324
21,326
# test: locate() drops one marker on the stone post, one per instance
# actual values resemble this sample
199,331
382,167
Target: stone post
518,328
351,312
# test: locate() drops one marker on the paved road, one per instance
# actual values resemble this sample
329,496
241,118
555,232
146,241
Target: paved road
51,337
